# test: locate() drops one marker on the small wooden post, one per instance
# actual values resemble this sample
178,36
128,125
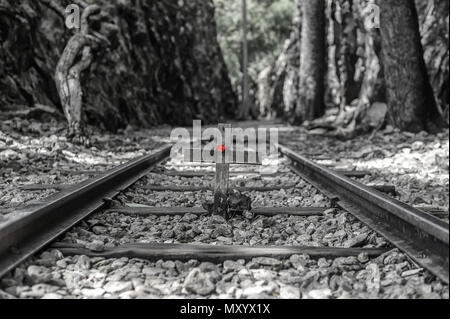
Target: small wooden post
225,154
222,166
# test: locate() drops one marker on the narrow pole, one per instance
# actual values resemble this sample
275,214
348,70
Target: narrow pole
245,86
222,166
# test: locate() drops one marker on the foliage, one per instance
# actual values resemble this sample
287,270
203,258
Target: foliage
269,24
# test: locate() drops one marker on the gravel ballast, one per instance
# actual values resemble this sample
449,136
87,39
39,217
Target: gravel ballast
392,275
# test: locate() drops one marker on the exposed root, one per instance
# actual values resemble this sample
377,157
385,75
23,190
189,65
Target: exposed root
78,135
76,58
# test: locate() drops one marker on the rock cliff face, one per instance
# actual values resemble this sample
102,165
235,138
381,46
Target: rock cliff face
163,64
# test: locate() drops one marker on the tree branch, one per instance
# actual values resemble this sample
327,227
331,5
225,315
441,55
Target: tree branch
56,7
88,12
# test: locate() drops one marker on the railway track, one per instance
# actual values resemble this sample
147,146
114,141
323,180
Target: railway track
421,236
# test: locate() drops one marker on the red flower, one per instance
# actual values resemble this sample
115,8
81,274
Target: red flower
221,148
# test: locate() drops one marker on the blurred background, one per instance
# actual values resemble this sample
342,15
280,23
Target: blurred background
343,66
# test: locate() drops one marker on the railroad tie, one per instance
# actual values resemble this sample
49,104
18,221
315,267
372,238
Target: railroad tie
212,253
192,174
44,187
179,211
178,189
387,189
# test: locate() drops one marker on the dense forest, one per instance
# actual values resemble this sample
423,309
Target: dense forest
269,23
371,73
145,63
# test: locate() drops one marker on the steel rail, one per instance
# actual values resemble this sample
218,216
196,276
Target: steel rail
423,237
34,227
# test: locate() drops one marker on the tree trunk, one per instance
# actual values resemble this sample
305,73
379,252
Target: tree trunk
245,107
312,62
76,58
278,84
68,82
412,106
433,21
344,47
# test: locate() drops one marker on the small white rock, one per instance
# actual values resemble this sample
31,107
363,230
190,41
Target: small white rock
117,287
320,294
199,283
93,293
260,289
289,292
412,272
262,274
52,296
39,274
265,261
